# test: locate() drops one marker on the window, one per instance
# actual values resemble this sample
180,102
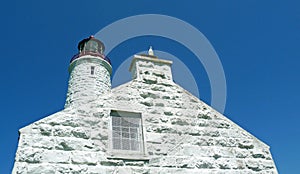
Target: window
92,70
127,132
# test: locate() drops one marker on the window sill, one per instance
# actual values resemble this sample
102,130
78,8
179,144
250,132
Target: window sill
124,156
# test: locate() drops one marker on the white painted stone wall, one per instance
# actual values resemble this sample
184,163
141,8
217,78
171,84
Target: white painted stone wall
145,67
85,87
183,135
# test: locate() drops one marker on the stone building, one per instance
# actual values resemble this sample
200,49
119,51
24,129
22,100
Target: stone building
149,125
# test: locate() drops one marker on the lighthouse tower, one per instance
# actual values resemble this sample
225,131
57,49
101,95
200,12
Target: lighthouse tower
89,72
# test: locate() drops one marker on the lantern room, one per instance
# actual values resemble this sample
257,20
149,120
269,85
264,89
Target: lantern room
91,46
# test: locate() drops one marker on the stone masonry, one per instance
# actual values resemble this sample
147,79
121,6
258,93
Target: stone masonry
182,134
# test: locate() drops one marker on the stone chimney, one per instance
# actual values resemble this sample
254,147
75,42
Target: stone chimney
151,69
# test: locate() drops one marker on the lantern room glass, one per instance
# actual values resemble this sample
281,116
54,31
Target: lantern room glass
91,46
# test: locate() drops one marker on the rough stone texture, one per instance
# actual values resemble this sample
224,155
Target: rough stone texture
84,86
182,134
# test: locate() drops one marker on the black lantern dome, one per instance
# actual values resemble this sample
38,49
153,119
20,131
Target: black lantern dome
91,46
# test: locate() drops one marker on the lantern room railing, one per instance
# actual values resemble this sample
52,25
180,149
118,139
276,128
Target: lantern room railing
84,53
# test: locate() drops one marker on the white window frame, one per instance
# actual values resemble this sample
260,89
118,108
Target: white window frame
127,154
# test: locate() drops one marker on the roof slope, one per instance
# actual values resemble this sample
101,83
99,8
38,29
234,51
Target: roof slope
180,127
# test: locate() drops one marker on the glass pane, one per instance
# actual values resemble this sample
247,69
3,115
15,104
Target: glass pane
134,145
133,130
125,144
125,129
91,46
117,134
134,122
116,121
116,143
125,135
125,122
133,136
117,128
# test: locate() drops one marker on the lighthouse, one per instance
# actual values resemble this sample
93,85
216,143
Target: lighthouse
90,72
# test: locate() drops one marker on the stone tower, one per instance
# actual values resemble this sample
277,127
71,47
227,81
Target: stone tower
89,72
149,125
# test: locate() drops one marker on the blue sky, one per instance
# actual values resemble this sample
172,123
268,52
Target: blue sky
257,43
